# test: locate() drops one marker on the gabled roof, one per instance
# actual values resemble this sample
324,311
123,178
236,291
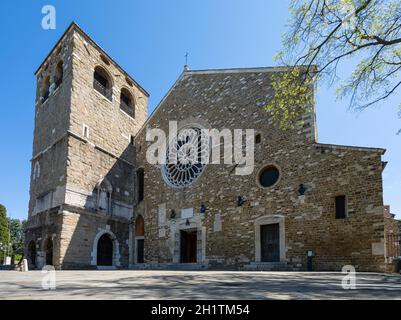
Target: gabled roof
255,77
208,76
75,26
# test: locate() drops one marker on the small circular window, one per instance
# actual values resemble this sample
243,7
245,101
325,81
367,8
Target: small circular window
268,176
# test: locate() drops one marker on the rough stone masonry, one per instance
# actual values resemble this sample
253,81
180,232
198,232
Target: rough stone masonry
96,202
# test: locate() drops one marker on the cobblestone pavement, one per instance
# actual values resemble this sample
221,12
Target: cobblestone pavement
135,284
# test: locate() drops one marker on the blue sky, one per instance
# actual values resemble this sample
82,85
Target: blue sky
149,40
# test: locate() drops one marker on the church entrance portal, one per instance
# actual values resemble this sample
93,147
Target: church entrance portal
188,246
139,251
105,251
49,252
270,242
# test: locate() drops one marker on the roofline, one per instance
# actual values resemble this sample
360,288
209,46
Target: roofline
209,71
381,151
75,26
245,69
344,147
54,47
159,104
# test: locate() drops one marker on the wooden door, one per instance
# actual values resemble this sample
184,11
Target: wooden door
105,251
270,242
188,246
139,251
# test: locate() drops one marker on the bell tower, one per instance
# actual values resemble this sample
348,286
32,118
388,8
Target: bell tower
87,111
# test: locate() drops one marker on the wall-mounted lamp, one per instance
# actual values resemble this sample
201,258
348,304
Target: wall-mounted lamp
172,214
240,201
187,223
301,189
202,208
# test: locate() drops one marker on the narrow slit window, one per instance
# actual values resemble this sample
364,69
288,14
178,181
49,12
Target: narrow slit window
341,207
85,132
36,170
141,184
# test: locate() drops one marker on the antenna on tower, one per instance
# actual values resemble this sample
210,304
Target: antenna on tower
186,61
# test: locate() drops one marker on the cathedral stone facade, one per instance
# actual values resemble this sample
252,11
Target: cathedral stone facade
97,202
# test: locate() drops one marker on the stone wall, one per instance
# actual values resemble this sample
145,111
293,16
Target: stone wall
51,125
40,228
87,176
235,100
87,185
105,154
80,233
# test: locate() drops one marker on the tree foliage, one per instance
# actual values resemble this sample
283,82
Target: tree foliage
293,96
324,33
12,234
17,235
3,231
3,225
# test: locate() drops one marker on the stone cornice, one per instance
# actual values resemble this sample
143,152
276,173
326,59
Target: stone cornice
78,137
342,147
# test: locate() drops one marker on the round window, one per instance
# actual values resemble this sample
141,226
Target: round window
186,158
268,176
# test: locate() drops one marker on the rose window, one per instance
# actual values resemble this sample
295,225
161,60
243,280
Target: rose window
186,157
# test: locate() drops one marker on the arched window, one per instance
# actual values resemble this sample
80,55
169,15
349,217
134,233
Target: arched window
141,184
191,149
102,82
36,170
59,74
139,226
127,102
45,88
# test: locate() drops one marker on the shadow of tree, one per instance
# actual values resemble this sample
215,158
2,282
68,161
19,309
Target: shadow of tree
203,285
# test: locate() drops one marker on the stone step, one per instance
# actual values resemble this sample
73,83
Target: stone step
269,266
106,268
169,266
269,263
6,267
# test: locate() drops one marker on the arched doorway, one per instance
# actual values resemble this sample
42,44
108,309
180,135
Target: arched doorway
105,251
49,252
139,239
32,254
